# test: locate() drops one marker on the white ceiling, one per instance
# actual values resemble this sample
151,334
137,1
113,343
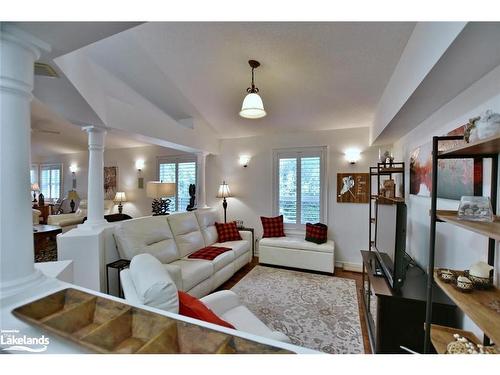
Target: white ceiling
314,76
70,138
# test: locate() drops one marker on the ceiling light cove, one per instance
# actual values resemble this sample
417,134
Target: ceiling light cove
252,107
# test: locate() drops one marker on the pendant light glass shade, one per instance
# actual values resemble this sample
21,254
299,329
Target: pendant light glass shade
252,106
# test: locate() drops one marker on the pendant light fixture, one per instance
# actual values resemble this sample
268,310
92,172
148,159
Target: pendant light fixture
252,106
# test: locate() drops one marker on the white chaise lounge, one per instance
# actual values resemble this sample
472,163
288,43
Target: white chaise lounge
296,252
147,282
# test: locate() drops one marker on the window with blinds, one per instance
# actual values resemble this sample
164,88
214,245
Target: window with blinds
51,181
299,180
182,171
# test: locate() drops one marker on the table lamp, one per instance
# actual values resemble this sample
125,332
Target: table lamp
120,197
224,193
73,195
160,191
35,188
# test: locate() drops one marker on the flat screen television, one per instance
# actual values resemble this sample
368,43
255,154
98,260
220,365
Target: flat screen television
390,240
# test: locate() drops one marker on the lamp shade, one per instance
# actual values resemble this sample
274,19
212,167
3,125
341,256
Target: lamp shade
157,189
120,197
252,106
35,187
224,191
73,195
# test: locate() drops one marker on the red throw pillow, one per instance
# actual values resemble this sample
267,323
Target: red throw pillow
227,232
316,233
273,226
194,308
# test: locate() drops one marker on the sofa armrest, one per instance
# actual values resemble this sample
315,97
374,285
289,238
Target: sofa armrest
246,235
222,301
175,273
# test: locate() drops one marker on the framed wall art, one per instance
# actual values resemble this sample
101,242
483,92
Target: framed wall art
353,187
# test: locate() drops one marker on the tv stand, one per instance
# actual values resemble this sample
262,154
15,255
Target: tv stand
395,318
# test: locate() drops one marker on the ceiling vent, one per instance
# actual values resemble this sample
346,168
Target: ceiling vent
43,69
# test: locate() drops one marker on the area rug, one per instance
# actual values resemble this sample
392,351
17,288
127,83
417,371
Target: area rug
316,311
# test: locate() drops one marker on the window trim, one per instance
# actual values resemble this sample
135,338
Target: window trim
61,183
297,152
189,158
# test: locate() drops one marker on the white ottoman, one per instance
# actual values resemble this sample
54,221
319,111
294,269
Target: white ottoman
298,253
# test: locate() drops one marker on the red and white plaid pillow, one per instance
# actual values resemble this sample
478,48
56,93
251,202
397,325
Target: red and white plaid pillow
227,232
273,226
316,233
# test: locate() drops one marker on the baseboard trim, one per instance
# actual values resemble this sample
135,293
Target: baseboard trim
350,266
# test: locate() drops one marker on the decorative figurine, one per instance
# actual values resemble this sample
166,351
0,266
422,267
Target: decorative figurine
475,209
192,197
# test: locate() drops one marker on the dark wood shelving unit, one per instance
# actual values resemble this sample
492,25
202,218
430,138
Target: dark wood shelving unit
480,306
395,318
382,170
441,336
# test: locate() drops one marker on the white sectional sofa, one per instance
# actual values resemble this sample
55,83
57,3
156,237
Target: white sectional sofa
171,239
296,252
146,282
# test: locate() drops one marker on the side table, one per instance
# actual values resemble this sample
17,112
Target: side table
42,233
245,229
119,265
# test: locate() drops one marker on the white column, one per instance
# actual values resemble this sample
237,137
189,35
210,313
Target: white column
18,52
201,195
95,197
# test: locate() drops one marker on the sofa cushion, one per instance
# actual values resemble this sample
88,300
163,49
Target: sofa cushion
297,243
206,220
239,247
273,226
150,235
194,271
223,260
187,233
317,233
227,232
194,308
153,284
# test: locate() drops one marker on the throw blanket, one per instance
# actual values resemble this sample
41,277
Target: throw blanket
209,252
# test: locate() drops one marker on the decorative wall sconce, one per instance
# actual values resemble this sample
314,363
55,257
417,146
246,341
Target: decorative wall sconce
73,168
353,155
139,165
244,160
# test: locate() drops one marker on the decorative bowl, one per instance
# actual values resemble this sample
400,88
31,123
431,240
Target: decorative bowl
446,275
479,282
464,284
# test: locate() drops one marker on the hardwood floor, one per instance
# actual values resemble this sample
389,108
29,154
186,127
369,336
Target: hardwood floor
356,276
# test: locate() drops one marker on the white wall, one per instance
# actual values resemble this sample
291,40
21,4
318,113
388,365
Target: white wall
252,186
138,204
455,248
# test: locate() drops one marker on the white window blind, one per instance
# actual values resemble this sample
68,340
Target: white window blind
182,171
299,179
51,180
